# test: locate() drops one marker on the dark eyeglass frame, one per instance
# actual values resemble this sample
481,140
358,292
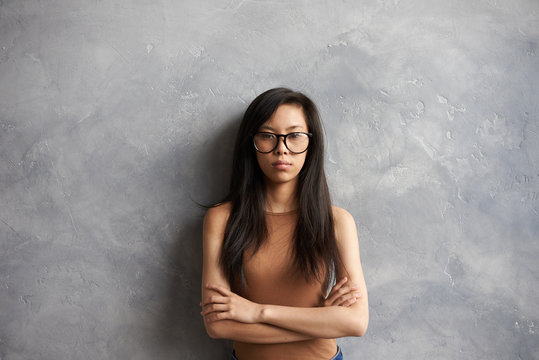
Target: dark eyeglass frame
284,136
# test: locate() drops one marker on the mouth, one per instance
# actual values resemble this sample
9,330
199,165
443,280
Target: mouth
281,165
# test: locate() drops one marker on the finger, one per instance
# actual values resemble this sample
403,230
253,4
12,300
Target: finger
342,286
334,291
334,297
342,281
343,299
348,299
214,299
213,308
220,289
349,302
343,294
216,316
339,284
352,294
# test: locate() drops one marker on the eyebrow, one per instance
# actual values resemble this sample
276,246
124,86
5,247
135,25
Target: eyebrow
267,127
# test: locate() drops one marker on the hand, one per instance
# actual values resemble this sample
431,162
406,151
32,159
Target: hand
228,305
344,293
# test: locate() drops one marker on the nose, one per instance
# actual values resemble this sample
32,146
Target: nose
281,147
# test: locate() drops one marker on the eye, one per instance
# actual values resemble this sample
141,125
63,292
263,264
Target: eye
266,136
296,135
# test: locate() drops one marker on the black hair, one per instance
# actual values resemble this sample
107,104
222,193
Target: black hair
316,255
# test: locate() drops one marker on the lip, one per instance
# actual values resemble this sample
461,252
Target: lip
281,165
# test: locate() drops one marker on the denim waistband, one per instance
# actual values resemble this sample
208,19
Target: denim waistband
337,356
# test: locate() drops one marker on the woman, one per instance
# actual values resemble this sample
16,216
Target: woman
273,247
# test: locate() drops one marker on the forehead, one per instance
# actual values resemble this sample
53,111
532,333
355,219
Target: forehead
287,117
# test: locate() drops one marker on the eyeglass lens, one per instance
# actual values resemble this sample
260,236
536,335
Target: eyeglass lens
295,142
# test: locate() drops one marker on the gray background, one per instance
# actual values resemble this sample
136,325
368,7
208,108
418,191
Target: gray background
116,116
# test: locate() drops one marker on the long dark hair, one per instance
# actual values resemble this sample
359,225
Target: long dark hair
315,252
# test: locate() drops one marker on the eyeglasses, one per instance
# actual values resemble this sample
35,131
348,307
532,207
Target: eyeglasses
296,142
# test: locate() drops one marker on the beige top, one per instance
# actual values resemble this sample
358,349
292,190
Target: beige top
270,279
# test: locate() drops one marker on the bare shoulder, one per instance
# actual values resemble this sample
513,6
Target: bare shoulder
219,212
216,218
342,217
345,226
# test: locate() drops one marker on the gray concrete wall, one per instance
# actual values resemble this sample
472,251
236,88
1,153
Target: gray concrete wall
116,115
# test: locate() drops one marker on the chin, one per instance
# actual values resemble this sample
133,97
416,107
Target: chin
281,179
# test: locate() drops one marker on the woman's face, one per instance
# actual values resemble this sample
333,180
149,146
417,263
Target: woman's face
280,165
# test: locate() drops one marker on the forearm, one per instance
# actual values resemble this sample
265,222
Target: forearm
317,322
252,333
313,322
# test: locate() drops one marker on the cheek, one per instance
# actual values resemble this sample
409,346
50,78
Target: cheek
262,160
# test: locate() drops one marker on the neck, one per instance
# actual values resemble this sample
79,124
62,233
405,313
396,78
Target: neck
281,197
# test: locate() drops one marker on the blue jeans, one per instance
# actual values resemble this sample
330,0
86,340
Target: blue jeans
337,356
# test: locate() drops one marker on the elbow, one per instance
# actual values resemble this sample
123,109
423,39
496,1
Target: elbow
214,330
213,334
362,329
359,327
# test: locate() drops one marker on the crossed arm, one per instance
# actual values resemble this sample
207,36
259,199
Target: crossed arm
228,315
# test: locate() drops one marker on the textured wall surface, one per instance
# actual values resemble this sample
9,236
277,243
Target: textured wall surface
115,116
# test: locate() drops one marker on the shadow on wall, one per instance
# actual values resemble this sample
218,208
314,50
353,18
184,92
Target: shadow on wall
180,328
